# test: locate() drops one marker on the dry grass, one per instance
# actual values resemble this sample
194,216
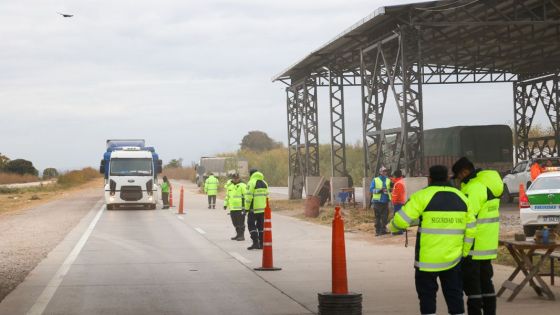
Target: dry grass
186,173
12,200
11,178
78,177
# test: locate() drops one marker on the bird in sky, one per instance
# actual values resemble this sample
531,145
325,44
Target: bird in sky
66,15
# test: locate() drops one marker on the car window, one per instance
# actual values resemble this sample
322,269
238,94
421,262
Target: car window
546,183
519,167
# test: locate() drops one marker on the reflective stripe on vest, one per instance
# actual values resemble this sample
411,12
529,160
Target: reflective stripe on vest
437,265
441,231
483,252
488,220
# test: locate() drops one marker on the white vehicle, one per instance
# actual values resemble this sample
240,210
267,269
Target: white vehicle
541,204
521,174
131,177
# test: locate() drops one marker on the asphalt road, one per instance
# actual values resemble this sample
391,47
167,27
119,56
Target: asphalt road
158,262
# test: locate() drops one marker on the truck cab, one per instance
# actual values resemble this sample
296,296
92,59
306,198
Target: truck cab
131,177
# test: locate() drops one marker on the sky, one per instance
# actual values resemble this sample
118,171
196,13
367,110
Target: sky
190,77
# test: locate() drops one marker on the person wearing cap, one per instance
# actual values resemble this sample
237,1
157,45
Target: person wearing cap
444,237
165,192
211,189
234,202
380,189
255,202
483,188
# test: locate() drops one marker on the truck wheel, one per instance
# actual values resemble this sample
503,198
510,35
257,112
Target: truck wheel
529,230
506,196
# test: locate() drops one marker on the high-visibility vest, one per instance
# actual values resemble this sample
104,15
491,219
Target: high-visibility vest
164,187
235,196
379,186
211,186
257,193
446,226
484,192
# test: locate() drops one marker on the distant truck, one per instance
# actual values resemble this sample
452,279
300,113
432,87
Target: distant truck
487,146
220,166
130,169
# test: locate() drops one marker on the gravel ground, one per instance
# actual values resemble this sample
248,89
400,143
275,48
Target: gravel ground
27,236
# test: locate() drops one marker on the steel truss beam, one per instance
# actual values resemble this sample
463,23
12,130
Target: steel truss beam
528,96
338,141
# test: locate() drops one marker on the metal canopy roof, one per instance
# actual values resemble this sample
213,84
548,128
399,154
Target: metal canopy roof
501,36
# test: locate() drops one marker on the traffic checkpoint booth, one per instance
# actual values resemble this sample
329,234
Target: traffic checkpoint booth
392,53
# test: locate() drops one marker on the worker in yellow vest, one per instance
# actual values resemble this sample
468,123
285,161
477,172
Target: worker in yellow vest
483,188
211,189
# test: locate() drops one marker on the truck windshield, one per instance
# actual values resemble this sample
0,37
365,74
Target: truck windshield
131,167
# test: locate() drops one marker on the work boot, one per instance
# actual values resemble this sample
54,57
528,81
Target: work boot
254,246
240,238
233,238
209,207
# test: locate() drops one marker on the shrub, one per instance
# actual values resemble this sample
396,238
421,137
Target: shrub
187,173
12,178
78,177
21,166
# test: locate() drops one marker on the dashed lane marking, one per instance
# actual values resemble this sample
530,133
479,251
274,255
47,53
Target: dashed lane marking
199,230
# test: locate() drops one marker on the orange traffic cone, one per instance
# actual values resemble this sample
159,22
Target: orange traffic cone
170,196
267,261
339,275
339,301
181,197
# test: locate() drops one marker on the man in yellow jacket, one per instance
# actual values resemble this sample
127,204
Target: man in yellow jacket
483,188
446,228
211,189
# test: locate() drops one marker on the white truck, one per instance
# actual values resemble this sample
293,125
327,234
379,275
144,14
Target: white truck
130,170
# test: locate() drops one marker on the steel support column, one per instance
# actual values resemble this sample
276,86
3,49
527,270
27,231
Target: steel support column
311,128
338,141
374,89
528,96
295,163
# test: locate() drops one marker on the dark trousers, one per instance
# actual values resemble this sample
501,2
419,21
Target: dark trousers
478,286
381,211
451,285
211,201
238,221
255,222
165,198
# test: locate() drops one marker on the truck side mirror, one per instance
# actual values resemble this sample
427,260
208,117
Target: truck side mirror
102,167
159,166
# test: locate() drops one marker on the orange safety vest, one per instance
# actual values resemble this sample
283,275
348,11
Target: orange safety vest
536,170
398,195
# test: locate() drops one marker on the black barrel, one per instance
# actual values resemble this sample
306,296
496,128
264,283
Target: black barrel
340,304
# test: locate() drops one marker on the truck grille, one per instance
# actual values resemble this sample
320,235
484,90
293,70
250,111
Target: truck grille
131,193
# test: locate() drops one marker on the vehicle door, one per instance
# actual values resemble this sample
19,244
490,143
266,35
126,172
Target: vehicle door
517,176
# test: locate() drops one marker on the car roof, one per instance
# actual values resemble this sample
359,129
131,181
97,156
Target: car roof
550,174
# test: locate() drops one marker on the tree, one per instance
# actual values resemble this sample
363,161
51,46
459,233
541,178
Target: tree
22,167
50,173
174,163
258,141
3,161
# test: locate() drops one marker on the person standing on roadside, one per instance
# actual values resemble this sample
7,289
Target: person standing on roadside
398,195
483,188
211,189
380,190
234,202
165,186
446,228
255,203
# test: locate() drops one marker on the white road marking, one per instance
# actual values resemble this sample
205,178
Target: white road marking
43,300
240,258
199,230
